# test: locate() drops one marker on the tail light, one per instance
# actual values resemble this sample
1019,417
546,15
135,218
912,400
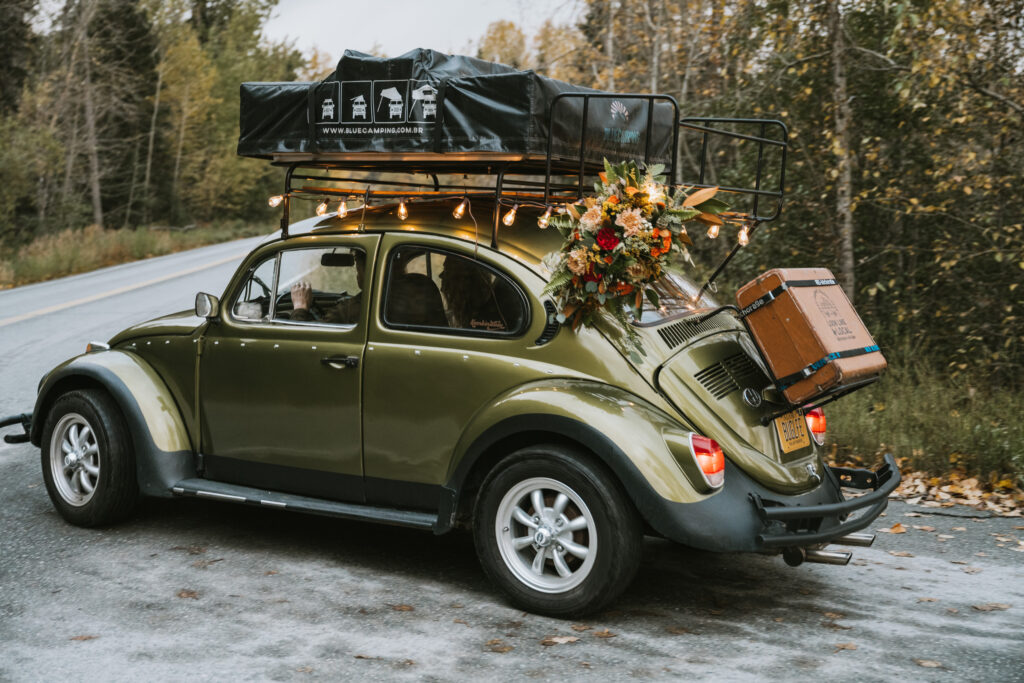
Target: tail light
816,424
710,459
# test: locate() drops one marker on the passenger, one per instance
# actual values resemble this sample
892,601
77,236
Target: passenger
469,296
344,312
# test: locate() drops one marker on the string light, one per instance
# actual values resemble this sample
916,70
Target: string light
542,222
342,209
744,236
510,217
275,200
403,212
321,208
713,231
460,210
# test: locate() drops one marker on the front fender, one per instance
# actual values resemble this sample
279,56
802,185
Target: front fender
163,452
641,444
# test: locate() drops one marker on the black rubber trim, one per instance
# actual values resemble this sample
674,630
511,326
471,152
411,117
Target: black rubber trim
294,480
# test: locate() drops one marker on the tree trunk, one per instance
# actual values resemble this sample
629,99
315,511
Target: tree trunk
655,28
92,142
609,45
149,149
131,185
844,155
181,144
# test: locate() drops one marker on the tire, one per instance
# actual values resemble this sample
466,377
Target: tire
87,459
588,535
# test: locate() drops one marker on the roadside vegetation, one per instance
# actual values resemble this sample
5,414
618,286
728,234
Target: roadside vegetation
78,251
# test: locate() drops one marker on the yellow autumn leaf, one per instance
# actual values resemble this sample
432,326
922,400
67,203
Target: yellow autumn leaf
700,196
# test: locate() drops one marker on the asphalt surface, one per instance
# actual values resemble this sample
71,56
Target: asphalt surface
193,589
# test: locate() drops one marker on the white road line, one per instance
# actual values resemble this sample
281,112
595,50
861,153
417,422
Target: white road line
114,292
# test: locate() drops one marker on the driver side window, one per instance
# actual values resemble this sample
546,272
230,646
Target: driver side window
318,286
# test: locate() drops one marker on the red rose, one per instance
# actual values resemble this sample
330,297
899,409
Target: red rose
607,239
591,275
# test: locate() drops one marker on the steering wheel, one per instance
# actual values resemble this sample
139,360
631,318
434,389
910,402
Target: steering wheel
263,285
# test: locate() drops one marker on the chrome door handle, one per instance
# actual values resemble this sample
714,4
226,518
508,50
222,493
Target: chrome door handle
339,362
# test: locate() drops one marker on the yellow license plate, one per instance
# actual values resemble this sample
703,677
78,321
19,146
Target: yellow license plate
792,429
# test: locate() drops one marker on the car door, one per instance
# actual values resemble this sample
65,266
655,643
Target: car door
280,381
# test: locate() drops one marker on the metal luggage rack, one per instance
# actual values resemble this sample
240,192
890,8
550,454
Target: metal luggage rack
542,182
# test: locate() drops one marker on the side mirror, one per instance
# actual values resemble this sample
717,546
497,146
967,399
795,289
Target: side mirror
207,305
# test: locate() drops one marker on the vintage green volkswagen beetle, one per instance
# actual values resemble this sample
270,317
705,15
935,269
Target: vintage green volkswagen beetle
401,371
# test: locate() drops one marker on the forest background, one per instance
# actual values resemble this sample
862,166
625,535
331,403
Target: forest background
906,161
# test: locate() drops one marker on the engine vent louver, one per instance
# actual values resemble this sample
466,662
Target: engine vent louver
735,372
552,327
679,333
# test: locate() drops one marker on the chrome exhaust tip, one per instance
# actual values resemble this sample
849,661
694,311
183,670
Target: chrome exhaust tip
860,540
828,557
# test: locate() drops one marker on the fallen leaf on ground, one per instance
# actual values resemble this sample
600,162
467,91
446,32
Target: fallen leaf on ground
402,608
953,610
896,528
270,572
679,630
188,594
981,554
365,657
912,514
834,615
991,607
305,669
191,549
778,619
845,646
900,553
204,563
604,634
835,627
84,637
460,621
946,536
498,645
971,570
580,627
558,640
1019,528
924,528
928,663
927,600
959,528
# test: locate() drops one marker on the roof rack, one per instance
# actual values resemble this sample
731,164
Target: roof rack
544,181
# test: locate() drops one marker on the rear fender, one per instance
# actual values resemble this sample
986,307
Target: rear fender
163,452
640,444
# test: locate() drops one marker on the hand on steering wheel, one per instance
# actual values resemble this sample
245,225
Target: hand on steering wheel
302,297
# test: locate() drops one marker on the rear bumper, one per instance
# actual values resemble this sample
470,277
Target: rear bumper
802,525
747,517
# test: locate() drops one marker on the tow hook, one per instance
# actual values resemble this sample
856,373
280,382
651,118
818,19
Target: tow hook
23,419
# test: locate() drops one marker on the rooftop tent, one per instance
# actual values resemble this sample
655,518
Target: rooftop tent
432,103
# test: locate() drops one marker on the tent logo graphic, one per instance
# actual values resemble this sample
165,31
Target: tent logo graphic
359,107
327,109
619,111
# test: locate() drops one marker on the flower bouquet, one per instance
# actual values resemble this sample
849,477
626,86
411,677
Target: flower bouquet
619,242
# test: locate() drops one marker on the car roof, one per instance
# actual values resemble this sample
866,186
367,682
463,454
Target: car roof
523,240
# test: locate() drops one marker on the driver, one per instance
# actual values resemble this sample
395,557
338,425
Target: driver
345,312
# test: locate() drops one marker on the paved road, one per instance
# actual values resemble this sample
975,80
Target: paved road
199,590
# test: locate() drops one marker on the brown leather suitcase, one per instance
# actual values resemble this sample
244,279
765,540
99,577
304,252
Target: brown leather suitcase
810,335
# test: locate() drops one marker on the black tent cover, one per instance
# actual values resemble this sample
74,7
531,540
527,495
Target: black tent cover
430,103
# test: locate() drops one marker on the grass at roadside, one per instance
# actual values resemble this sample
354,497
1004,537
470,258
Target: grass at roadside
78,251
939,424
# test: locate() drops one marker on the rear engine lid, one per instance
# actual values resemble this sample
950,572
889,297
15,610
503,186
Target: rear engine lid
718,382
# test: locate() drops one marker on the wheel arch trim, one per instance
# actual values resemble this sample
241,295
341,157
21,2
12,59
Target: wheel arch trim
163,451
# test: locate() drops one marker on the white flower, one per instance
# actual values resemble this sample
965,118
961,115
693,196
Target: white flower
591,220
632,222
577,261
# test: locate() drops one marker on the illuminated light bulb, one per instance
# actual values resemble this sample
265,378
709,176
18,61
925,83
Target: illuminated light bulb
654,193
403,212
543,220
342,209
321,208
713,232
460,210
275,200
744,236
510,217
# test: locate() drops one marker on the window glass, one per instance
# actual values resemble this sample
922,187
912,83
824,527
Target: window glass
676,296
441,290
253,302
309,285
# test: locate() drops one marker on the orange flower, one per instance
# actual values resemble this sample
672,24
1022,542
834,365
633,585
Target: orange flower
623,288
609,259
603,177
613,199
630,191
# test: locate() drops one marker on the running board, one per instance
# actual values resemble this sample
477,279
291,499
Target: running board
232,493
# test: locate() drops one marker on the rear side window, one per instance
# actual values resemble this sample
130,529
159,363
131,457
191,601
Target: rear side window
440,291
